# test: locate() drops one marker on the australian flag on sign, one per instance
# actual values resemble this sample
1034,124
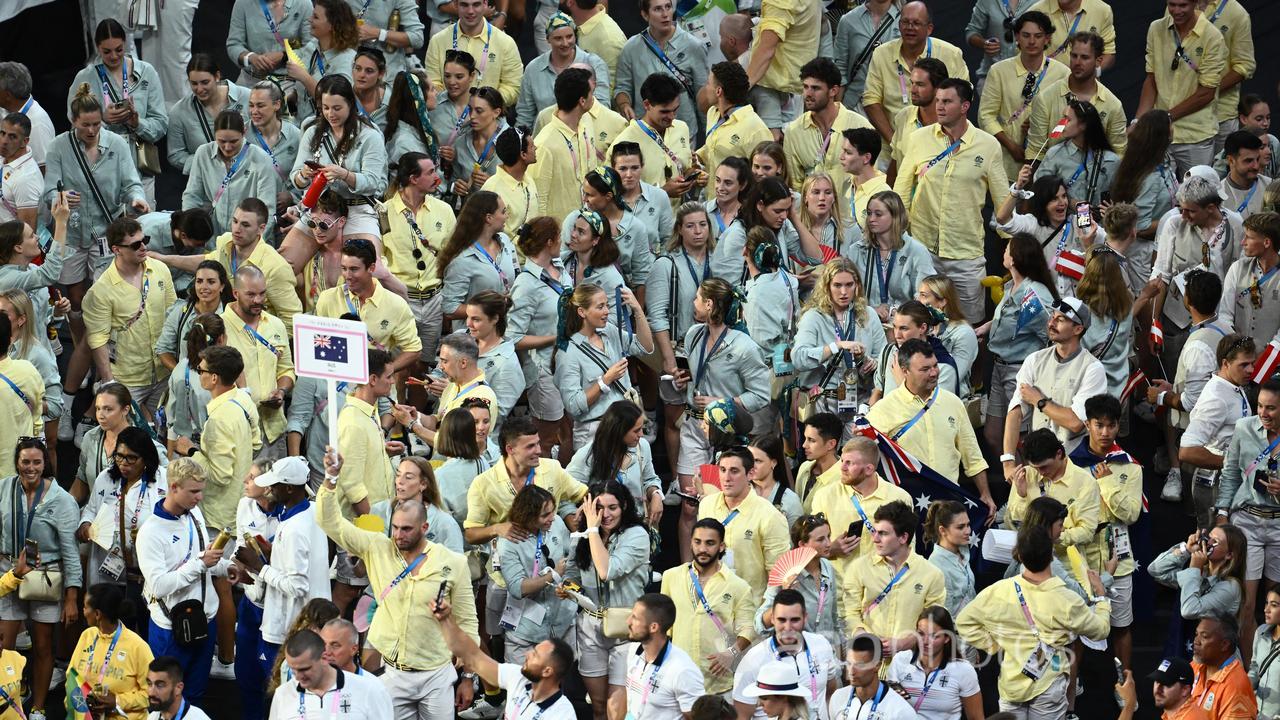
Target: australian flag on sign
330,348
1030,309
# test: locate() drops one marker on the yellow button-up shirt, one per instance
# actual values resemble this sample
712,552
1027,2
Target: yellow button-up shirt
1050,105
453,395
366,470
895,615
116,312
659,167
125,672
403,628
945,201
856,196
498,62
227,446
1120,503
741,130
263,366
889,76
600,35
521,197
1232,20
942,438
1077,490
1004,109
695,632
1095,16
435,220
755,536
994,621
805,141
387,315
830,477
565,156
605,126
1208,53
905,121
797,23
12,663
835,500
490,495
282,287
19,417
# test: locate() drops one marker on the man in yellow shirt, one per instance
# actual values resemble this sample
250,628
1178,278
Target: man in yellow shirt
463,379
714,613
408,572
889,588
263,343
124,313
733,127
598,33
1070,17
822,432
243,246
567,150
420,225
20,414
931,422
1186,59
889,73
1034,662
1081,83
1047,472
663,139
944,180
229,439
387,316
1013,84
814,139
605,123
1233,21
516,151
851,503
926,75
755,531
498,63
858,152
785,38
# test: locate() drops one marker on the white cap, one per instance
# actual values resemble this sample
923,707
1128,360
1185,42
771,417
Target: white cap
777,678
288,470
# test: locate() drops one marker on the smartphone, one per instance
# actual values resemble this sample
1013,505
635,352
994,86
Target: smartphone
693,499
54,295
1106,196
855,529
682,363
312,164
33,551
444,589
1083,218
1119,671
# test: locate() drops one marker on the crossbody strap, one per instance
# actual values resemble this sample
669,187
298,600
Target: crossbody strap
871,45
1271,657
83,162
204,120
327,142
590,353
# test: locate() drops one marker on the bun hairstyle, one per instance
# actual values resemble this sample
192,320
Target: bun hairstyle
204,333
940,514
533,236
762,248
84,102
495,306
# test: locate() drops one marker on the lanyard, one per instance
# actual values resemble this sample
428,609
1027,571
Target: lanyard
654,136
1074,24
1180,52
653,676
702,598
729,518
1255,288
707,355
484,54
887,588
1244,403
107,90
1026,102
403,574
317,62
488,149
348,295
413,225
457,125
262,142
528,479
142,490
693,272
27,106
823,587
928,683
1088,155
939,158
502,276
265,342
102,672
1026,611
302,703
720,122
226,180
666,61
537,548
919,414
847,333
719,220
573,153
808,656
884,272
271,22
1221,6
822,149
1261,455
1252,190
861,513
465,390
903,72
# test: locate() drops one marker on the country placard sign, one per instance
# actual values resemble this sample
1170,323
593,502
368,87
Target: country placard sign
331,349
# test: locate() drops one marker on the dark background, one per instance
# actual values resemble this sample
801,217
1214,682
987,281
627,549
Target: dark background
48,40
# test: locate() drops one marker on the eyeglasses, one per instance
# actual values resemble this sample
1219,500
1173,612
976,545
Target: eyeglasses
125,458
136,245
546,553
809,522
1244,341
202,370
1008,28
321,225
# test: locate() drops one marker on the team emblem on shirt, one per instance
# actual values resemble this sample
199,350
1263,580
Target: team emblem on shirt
977,162
734,139
385,324
447,570
439,226
747,535
919,588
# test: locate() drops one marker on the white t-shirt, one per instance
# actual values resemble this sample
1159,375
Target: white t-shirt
520,704
846,706
188,712
21,187
663,690
816,665
358,697
42,131
951,683
1214,418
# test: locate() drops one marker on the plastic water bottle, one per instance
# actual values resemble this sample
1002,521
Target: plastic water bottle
73,220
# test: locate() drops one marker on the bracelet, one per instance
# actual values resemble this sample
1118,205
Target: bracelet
834,347
592,531
382,35
1160,398
604,388
1008,457
246,61
498,14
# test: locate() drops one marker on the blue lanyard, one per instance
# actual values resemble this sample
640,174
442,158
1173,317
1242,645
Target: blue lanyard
1261,455
107,90
706,356
721,121
702,598
466,390
484,54
488,147
403,574
102,673
1221,6
719,221
884,273
919,414
351,306
729,518
502,276
887,588
662,56
808,656
654,136
271,22
861,513
226,180
1256,183
27,106
847,333
528,479
537,547
706,266
262,142
265,342
928,683
940,157
317,61
1088,155
875,702
1074,24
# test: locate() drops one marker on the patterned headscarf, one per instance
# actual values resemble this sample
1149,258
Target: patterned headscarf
560,20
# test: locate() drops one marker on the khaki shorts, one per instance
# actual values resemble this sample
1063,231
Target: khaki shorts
1263,537
599,656
544,398
84,263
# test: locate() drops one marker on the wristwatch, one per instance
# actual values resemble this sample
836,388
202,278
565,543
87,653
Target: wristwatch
1041,403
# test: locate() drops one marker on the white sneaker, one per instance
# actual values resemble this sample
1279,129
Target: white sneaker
24,641
58,678
36,715
66,424
222,671
483,709
1172,491
651,426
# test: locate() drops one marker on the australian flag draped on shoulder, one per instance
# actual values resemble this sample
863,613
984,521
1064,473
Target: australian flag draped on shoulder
922,482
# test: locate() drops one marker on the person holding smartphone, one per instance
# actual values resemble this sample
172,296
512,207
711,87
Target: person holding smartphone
530,569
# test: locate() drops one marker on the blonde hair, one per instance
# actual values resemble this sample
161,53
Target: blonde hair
837,207
900,222
1103,288
183,470
24,337
1120,220
821,298
942,286
682,212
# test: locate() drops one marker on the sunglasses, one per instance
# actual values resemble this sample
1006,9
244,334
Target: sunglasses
1243,341
202,370
31,439
322,225
136,245
1029,87
1008,29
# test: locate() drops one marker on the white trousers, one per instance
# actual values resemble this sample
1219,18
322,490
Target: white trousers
421,695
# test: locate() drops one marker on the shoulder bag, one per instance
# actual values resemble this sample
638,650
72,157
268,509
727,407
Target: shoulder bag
190,626
384,220
630,394
43,583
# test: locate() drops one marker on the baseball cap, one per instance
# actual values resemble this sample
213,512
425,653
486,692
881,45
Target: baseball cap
287,470
1075,309
1206,172
1173,670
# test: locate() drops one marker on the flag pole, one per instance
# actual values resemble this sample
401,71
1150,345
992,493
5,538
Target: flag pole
332,410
